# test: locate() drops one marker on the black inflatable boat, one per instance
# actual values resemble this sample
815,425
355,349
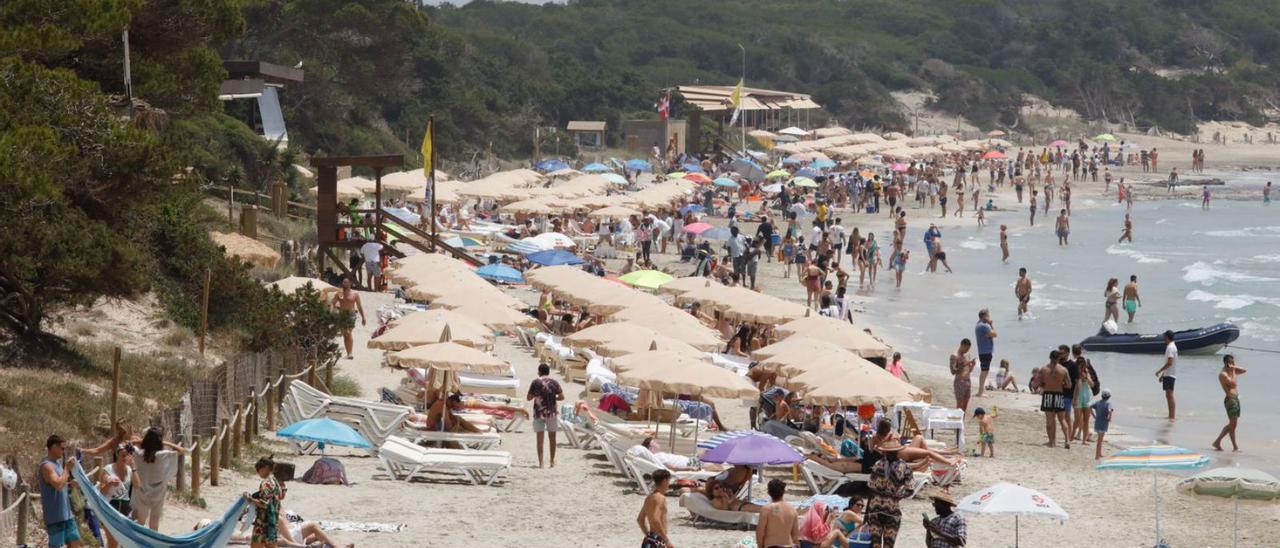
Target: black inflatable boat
1205,340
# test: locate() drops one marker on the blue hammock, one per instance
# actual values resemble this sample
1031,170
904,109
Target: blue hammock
131,534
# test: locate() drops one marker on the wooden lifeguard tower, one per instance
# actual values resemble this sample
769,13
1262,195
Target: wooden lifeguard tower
328,227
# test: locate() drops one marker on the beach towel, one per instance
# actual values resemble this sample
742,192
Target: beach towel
130,534
361,527
815,528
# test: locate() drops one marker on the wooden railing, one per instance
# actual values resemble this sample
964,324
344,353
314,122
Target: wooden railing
208,455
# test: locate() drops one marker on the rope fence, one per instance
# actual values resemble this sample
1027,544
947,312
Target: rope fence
238,426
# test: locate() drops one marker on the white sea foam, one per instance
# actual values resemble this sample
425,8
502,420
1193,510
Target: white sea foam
1247,232
1260,331
1116,249
1207,274
1266,259
961,295
1230,302
1162,221
974,244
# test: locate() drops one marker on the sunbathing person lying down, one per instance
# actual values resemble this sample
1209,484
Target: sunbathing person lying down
722,490
431,396
292,535
673,462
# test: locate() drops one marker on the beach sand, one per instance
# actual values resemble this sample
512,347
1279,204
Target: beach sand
583,502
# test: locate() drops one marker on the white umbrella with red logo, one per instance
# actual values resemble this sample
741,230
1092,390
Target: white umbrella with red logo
1006,498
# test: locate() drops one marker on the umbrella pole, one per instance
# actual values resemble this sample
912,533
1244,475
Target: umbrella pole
1235,527
1155,487
1015,531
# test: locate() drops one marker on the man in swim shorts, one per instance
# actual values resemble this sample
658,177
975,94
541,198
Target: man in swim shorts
1057,383
1230,386
1022,290
1063,227
1131,299
985,335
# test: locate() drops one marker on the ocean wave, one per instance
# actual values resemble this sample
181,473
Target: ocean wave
1207,274
1247,232
1116,249
1230,302
1162,221
1265,259
961,295
1258,330
1044,303
974,244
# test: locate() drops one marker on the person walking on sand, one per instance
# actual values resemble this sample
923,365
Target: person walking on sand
653,513
348,300
1230,386
1056,383
1004,243
1102,413
1132,301
1168,373
1083,394
1062,226
961,367
985,333
546,394
1126,233
778,525
1022,290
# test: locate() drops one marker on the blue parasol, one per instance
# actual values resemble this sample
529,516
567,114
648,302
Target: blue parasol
499,272
324,431
554,257
552,164
596,167
636,164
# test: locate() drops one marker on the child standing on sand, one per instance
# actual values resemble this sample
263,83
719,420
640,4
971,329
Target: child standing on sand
1102,413
986,433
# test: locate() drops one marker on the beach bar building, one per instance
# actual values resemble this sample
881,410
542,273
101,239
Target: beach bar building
588,135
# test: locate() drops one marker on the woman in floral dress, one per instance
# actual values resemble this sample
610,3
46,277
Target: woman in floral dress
891,481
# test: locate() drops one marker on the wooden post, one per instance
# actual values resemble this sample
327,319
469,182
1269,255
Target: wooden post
280,388
235,432
214,461
204,307
328,376
224,457
231,206
115,385
311,374
195,469
253,411
271,406
22,515
180,482
250,414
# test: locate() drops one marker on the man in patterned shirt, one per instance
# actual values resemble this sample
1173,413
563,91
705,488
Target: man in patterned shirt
546,394
948,530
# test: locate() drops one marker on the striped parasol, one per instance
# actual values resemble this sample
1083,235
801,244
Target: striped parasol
1166,457
715,441
1155,457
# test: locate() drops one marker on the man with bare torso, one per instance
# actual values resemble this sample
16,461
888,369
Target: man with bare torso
779,526
1022,289
1230,386
653,513
1004,243
1056,381
348,300
1131,299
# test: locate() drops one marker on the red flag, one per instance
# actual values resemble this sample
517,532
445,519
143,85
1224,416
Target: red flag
664,106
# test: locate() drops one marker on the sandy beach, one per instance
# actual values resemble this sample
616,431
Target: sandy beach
584,502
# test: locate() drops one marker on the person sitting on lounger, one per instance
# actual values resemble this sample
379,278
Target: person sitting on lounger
722,490
673,462
844,465
443,416
916,452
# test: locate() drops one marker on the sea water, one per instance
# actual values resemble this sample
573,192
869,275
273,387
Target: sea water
1195,268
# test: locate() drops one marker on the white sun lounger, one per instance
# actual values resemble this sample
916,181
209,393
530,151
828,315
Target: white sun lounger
701,509
466,439
403,459
825,481
640,468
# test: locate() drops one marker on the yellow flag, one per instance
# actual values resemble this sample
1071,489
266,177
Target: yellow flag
427,149
735,99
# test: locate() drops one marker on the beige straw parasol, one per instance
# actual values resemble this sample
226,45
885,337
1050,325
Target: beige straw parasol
246,248
449,356
621,338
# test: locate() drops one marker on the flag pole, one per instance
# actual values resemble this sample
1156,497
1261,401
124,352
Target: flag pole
743,80
431,179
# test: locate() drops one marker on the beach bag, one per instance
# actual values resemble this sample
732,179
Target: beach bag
326,471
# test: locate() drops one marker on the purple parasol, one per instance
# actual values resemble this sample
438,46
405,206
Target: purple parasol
754,449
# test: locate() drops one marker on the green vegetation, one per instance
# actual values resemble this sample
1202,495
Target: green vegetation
491,71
